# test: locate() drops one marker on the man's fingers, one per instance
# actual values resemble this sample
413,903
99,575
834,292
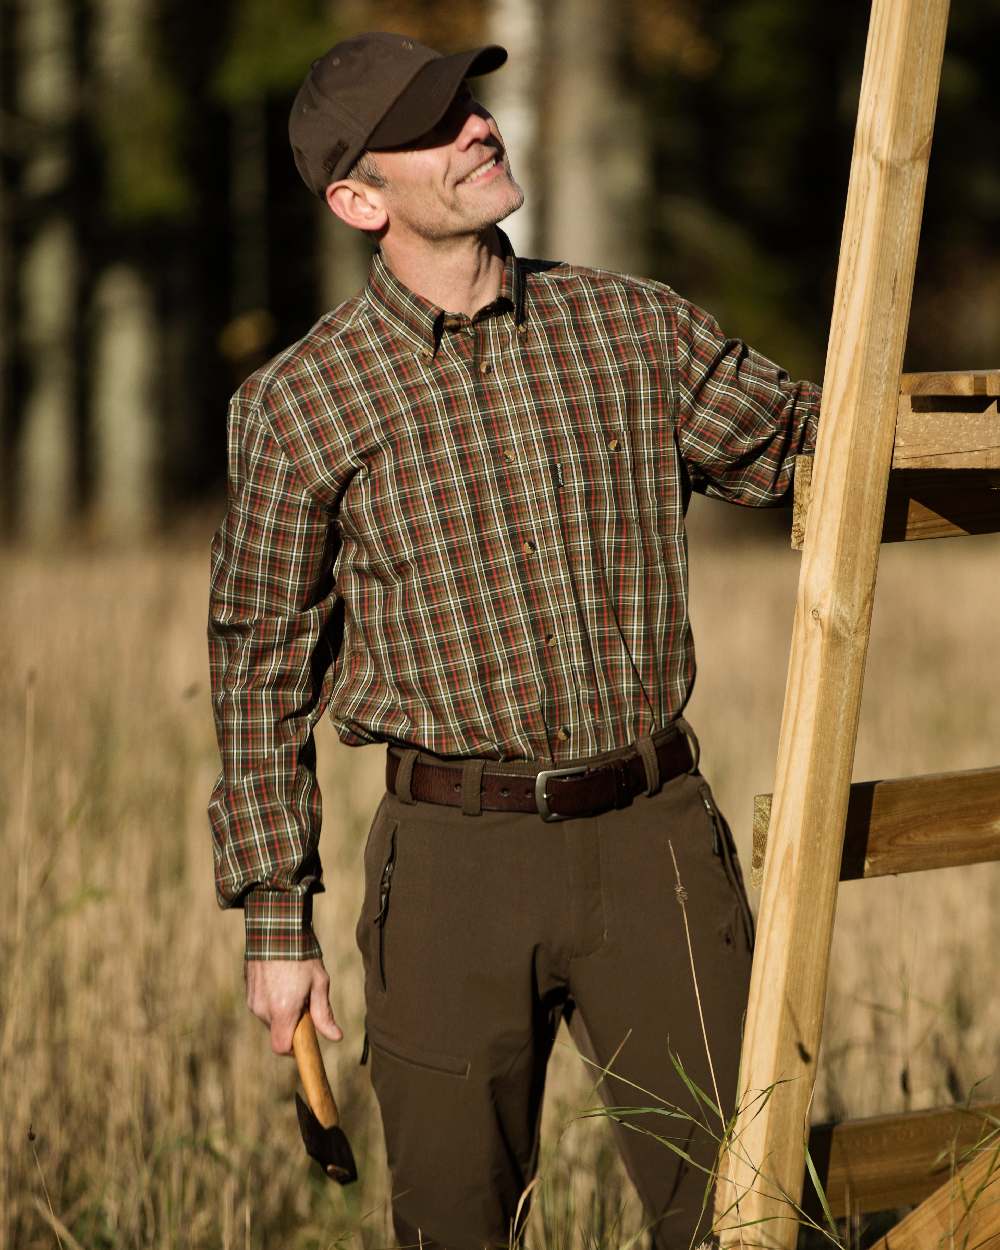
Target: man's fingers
282,1031
322,1015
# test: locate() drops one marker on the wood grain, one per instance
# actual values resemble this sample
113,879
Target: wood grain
958,382
920,503
891,1161
761,1175
911,824
963,1213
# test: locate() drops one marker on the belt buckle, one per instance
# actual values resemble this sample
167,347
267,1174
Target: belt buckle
542,780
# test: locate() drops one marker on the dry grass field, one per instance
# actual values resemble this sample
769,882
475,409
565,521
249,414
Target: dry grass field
140,1104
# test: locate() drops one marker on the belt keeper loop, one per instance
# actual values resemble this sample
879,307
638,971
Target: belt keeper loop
650,762
404,776
472,787
693,744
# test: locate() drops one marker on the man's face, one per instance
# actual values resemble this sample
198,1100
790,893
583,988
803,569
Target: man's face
429,193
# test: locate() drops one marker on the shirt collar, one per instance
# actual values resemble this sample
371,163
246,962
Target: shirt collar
422,322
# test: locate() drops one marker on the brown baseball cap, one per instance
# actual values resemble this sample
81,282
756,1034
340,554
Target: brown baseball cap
377,90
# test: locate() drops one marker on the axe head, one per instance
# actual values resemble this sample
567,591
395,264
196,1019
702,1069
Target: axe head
328,1146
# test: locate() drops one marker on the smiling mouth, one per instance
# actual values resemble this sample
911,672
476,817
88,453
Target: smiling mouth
484,168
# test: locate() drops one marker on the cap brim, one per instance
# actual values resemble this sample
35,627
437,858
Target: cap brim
425,100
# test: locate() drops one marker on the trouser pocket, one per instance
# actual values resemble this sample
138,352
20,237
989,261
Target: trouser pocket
724,847
384,894
379,865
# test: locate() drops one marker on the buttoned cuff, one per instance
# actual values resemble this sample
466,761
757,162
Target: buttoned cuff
279,925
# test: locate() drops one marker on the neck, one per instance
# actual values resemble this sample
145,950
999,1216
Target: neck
460,275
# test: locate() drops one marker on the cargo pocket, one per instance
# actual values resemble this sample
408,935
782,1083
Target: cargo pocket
724,847
384,895
379,864
411,1055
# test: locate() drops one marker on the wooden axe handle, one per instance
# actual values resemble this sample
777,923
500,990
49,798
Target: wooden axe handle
312,1073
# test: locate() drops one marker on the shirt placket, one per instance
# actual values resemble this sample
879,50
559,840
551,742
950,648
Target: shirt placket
570,723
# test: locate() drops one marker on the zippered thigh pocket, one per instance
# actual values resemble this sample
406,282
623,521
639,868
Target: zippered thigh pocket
384,895
724,846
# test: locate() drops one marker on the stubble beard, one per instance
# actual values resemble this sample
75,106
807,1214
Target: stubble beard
430,227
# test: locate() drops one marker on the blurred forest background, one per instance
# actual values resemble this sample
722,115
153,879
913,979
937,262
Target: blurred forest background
156,243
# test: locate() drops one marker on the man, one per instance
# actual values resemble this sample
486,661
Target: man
456,518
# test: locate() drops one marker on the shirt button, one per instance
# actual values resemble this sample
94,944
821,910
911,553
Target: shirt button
612,444
522,327
549,639
529,547
485,367
562,734
426,354
509,456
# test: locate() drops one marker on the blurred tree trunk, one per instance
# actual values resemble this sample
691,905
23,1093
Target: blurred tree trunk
344,254
6,255
123,430
48,274
598,168
514,96
123,433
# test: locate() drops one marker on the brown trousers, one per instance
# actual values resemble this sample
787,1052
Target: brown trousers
479,933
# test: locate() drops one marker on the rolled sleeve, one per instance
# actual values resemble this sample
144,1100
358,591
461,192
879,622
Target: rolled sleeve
741,420
272,603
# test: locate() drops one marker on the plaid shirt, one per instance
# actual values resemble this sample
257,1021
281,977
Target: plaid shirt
467,535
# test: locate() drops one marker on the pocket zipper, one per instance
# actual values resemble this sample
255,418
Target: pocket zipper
385,886
716,838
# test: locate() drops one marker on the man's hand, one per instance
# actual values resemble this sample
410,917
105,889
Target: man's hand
280,990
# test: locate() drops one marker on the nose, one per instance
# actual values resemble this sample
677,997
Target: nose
475,129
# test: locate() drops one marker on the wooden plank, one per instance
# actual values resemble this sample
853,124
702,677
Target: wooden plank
910,824
964,1214
968,439
920,503
959,382
952,503
891,1161
762,1169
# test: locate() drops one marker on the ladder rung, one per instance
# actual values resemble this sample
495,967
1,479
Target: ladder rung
956,382
910,824
937,437
945,476
963,1211
920,503
891,1161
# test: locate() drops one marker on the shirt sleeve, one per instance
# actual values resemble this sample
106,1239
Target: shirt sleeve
271,606
740,420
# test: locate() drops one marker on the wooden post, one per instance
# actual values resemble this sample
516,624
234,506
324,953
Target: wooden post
763,1169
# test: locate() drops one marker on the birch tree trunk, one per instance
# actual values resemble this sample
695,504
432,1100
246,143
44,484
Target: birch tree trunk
123,434
343,254
598,183
514,96
48,286
123,427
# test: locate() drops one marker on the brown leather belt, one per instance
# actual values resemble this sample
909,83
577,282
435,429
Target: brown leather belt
585,789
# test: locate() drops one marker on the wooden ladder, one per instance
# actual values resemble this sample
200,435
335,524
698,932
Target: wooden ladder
912,456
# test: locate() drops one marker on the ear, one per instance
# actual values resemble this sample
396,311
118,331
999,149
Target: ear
357,205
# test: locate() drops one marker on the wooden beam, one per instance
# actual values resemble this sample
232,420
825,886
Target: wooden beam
921,503
761,1174
958,382
954,438
891,1161
964,1212
910,824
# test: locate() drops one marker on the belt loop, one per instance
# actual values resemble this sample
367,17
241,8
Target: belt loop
650,762
692,741
472,787
404,776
